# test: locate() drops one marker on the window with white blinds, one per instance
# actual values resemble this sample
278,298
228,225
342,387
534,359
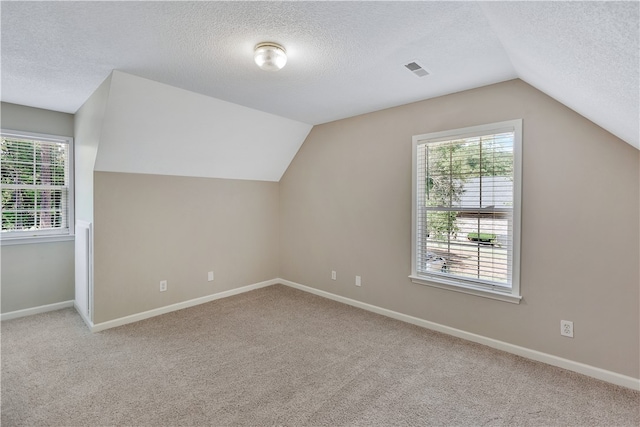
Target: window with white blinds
466,215
37,185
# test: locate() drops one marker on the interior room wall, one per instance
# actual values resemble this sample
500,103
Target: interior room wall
36,274
89,121
153,128
181,184
345,205
150,228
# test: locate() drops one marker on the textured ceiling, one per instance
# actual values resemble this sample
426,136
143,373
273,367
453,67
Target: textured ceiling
583,54
345,58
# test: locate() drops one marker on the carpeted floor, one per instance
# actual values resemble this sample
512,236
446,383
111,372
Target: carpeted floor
279,356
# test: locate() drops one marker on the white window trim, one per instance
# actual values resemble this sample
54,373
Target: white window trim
512,295
46,236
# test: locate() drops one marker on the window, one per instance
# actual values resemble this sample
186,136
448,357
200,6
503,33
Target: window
37,186
466,210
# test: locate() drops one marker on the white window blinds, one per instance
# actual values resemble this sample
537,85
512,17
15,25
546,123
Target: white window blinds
464,206
36,185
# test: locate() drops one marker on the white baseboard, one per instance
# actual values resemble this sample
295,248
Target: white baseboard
591,371
174,307
35,310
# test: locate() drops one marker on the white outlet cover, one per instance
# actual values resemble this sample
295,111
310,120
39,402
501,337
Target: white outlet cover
358,281
333,275
566,328
163,285
210,276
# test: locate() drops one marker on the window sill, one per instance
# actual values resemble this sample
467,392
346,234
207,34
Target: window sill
466,289
10,241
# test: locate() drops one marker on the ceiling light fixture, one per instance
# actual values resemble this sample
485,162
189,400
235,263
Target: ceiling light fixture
270,56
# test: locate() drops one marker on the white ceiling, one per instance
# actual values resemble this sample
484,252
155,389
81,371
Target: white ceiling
345,58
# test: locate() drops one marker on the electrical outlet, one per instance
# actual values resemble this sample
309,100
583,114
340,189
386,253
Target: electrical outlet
566,328
333,275
358,281
210,276
163,285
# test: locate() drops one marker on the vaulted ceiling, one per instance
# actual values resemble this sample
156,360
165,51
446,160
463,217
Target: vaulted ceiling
345,58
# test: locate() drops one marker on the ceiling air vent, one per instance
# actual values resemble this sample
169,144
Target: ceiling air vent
416,69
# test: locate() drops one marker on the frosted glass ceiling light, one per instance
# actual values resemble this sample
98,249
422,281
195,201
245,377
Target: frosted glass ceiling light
270,56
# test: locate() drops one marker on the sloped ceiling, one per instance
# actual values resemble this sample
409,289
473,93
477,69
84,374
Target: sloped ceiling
583,54
153,128
345,58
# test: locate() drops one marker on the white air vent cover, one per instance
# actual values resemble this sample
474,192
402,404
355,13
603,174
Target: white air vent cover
417,69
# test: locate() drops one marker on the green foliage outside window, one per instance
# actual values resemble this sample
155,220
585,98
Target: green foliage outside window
34,184
450,164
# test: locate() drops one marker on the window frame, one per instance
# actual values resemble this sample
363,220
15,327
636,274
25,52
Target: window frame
512,295
51,235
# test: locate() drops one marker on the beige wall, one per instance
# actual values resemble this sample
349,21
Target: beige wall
149,228
36,274
345,205
20,117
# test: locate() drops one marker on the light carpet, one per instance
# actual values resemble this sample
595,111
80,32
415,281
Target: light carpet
279,356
